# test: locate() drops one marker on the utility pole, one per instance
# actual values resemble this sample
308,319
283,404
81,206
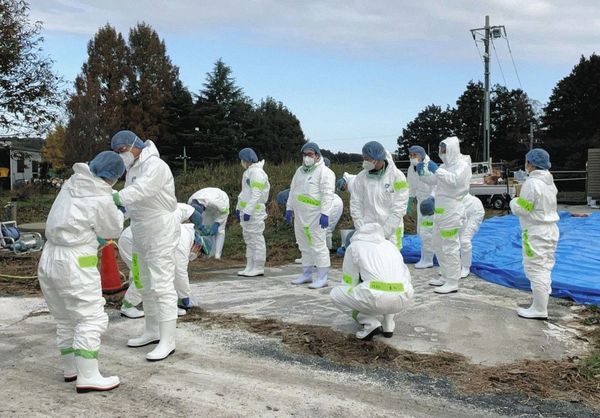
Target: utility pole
489,32
183,157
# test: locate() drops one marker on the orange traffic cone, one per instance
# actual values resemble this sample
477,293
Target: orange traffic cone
109,272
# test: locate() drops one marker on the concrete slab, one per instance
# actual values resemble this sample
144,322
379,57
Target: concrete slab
479,321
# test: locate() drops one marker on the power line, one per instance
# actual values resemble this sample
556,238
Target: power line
513,60
498,61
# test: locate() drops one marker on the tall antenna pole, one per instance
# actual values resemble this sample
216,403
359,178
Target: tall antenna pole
486,94
489,32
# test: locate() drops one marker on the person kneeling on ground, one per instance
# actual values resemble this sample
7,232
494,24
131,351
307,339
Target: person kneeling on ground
376,282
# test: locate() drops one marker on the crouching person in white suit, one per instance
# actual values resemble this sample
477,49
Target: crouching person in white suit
376,283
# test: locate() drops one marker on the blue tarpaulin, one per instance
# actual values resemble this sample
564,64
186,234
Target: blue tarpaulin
497,255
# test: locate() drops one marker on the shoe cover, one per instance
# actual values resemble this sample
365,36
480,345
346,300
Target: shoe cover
322,274
464,272
436,282
305,277
132,313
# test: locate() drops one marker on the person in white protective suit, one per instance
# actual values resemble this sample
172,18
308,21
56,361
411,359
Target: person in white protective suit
536,209
149,200
346,183
418,190
474,213
189,246
451,181
337,209
82,216
309,204
251,212
377,283
213,204
380,193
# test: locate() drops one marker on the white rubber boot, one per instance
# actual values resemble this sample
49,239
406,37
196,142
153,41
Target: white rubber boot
464,272
131,312
258,269
538,308
371,327
426,260
305,277
69,367
436,282
388,325
166,346
181,312
246,269
89,378
451,286
298,261
322,273
150,335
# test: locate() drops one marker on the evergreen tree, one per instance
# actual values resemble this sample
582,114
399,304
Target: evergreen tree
96,108
571,122
427,130
30,94
278,135
151,84
468,120
178,122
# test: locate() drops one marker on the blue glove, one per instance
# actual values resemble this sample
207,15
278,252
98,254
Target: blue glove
288,216
237,214
341,251
198,206
432,166
122,209
196,219
214,228
420,168
101,241
246,217
324,221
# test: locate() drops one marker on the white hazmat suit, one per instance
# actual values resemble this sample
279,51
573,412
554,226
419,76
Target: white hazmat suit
181,282
451,181
421,190
68,272
252,201
149,197
376,282
311,195
381,199
337,209
216,204
474,213
536,209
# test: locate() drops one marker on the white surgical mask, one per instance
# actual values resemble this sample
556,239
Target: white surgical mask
414,161
368,165
128,158
244,164
444,158
308,161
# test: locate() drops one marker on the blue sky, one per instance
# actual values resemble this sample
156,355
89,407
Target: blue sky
351,71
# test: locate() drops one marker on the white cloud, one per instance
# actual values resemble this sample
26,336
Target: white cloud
555,31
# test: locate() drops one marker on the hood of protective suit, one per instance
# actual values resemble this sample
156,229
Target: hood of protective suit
183,212
468,159
370,232
83,183
148,151
543,175
259,164
452,150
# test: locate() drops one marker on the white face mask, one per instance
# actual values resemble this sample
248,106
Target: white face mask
368,165
308,161
414,161
444,158
128,158
244,164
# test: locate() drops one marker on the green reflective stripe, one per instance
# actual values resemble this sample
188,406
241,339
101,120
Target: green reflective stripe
226,210
87,261
526,245
448,233
386,286
308,235
65,351
525,204
135,269
88,354
399,185
427,224
258,185
439,211
348,279
355,314
308,200
399,234
257,207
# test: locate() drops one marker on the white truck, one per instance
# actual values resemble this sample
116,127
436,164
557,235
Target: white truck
496,196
